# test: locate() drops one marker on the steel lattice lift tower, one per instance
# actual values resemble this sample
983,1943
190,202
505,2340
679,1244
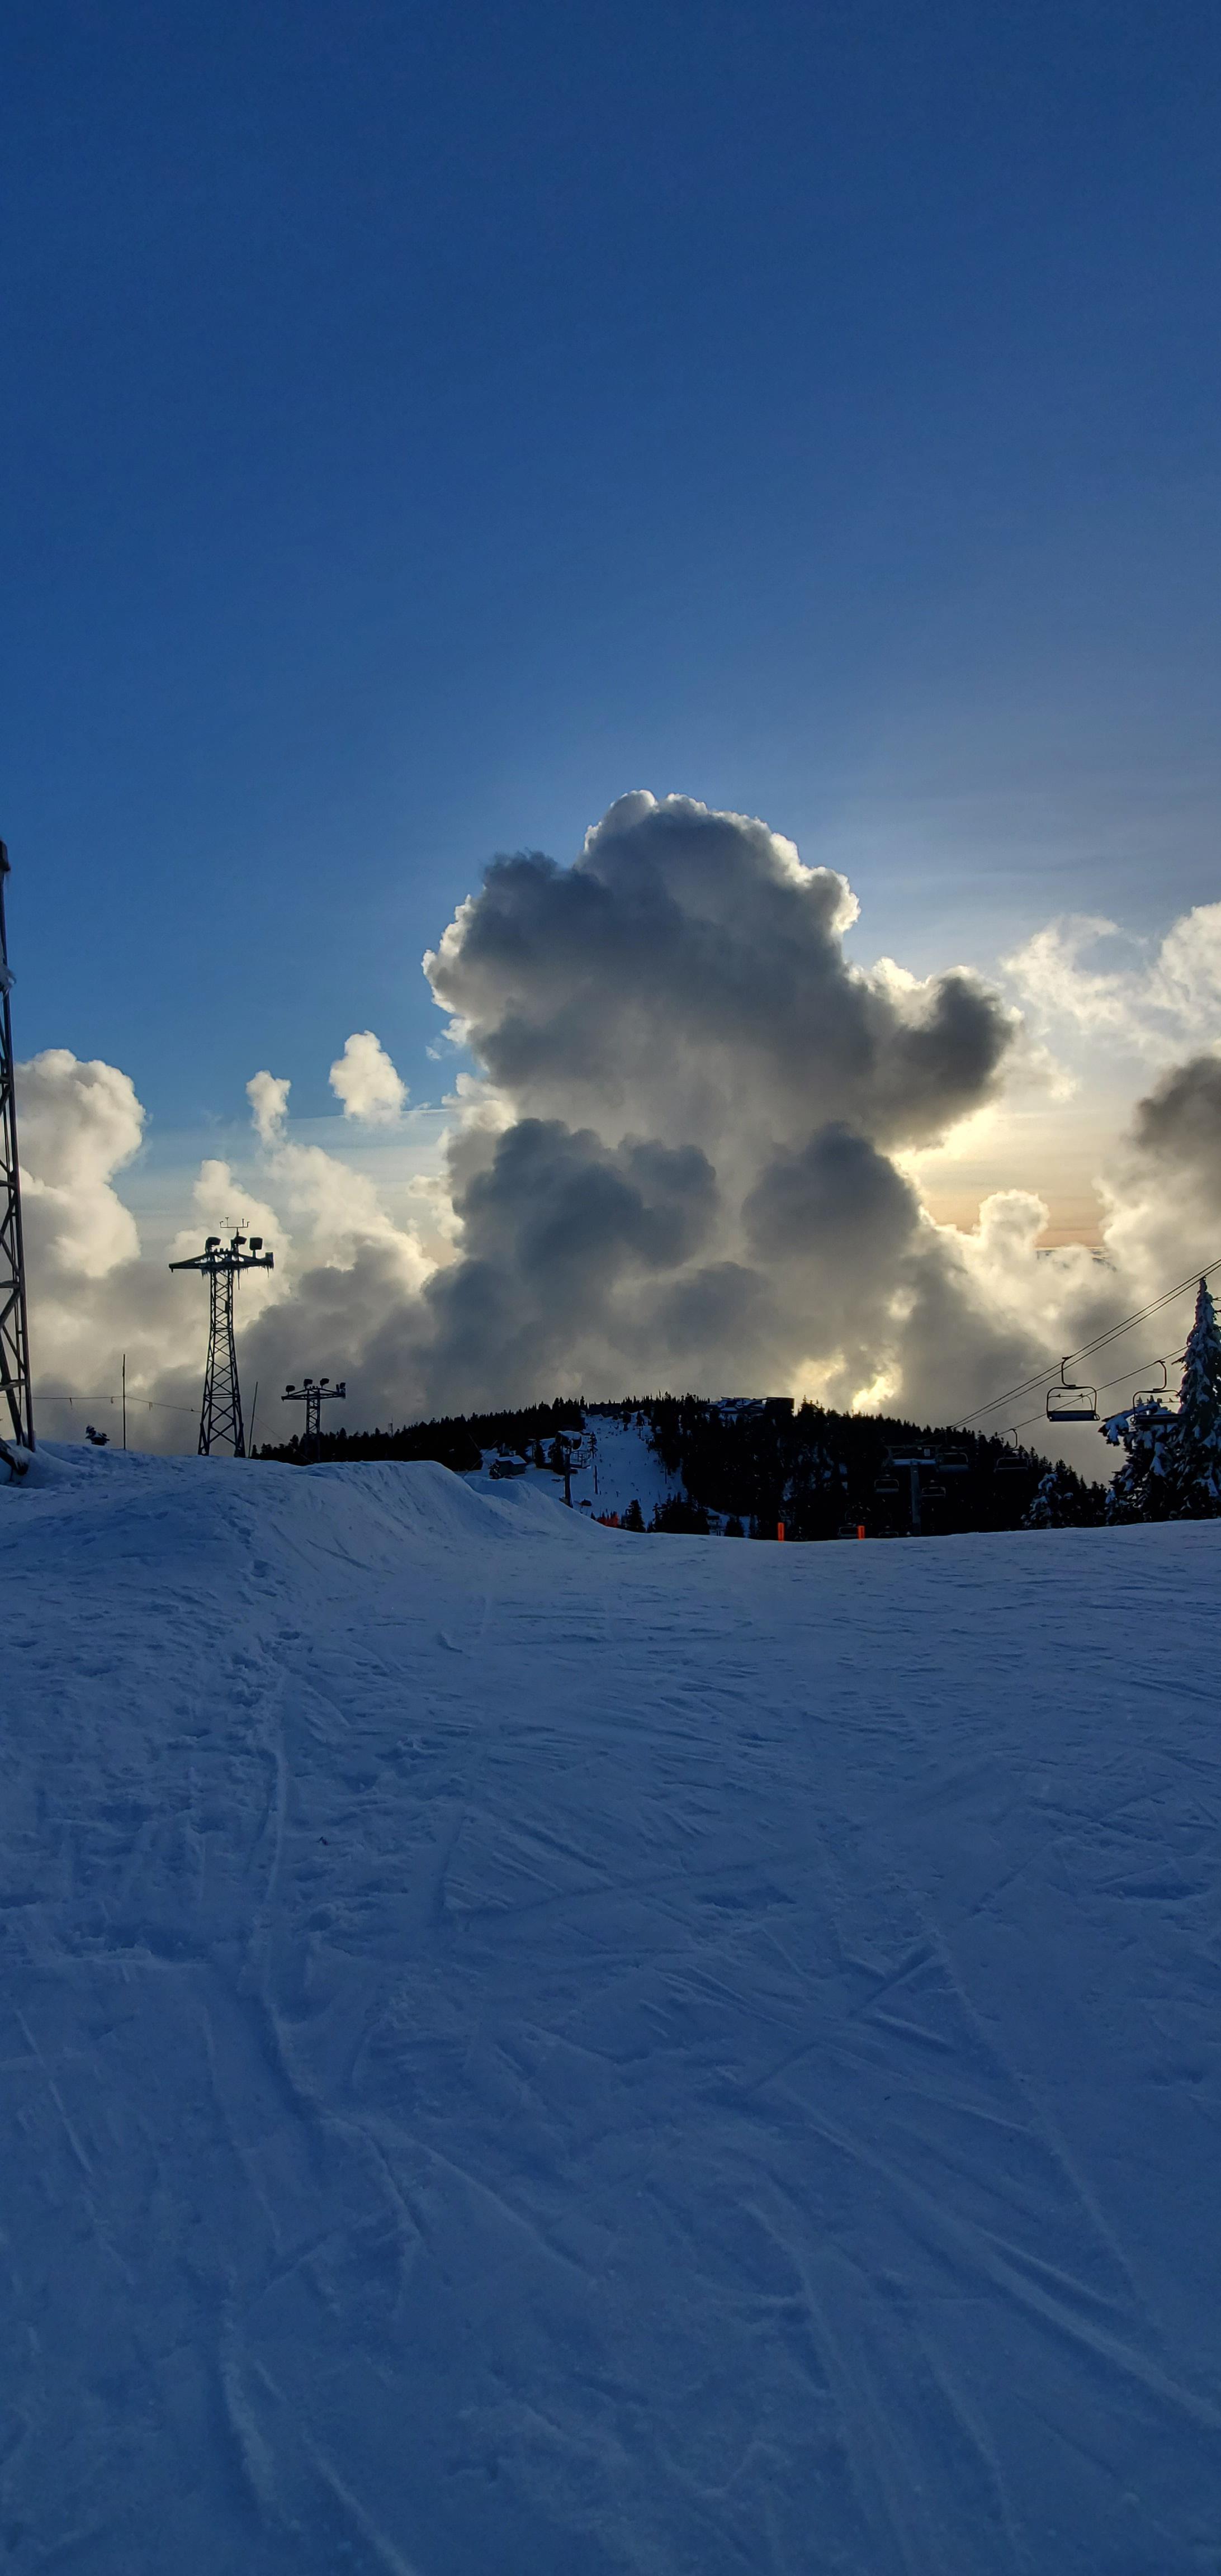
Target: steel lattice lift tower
16,1394
220,1416
313,1393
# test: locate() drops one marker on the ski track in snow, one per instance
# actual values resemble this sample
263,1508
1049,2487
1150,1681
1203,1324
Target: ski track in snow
529,2051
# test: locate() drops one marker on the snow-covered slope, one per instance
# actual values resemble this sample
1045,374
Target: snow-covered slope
535,2052
614,1463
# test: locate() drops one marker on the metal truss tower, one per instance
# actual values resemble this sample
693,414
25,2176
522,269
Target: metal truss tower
313,1393
16,1394
220,1415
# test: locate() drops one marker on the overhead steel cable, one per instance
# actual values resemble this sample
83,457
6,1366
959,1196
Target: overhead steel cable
1013,1394
1114,1330
1162,1360
152,1402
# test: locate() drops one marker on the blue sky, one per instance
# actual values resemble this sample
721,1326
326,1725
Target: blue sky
423,424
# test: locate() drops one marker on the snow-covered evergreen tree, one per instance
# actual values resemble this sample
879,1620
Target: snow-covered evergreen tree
1063,1500
1146,1486
1198,1429
1042,1513
1172,1470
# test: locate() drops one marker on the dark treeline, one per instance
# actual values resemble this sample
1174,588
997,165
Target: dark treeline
457,1440
819,1472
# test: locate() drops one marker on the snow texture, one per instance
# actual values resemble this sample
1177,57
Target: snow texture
614,1463
531,2051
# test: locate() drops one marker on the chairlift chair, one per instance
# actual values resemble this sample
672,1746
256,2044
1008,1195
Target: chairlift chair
1069,1402
1013,1460
954,1462
932,1493
886,1485
1155,1396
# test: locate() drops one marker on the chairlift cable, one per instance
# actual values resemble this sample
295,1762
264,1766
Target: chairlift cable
1162,1360
1192,1280
1141,1316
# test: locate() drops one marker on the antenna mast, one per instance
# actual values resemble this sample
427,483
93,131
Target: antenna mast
16,1394
220,1416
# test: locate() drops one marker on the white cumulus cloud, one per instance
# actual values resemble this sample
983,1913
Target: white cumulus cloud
267,1094
690,1153
79,1125
366,1082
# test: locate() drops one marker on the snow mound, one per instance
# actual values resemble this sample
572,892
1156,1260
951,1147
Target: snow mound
20,1466
536,2052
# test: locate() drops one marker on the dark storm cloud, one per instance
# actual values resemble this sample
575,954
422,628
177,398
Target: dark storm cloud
837,1201
554,1199
717,1326
560,1233
688,971
1181,1117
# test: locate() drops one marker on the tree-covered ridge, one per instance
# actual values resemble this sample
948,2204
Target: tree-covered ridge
753,1464
456,1441
758,1464
821,1472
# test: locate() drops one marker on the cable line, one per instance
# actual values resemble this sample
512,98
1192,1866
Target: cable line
1099,1342
153,1402
1162,1360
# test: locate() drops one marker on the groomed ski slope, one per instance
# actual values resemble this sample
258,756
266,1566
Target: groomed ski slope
529,2051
